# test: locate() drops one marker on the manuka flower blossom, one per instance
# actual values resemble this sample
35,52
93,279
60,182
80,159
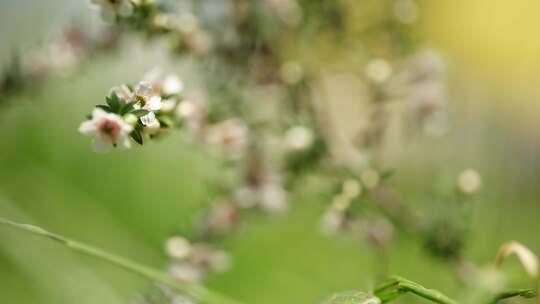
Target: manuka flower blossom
145,94
108,129
110,9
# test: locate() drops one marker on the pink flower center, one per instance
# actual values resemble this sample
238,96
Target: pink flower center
108,129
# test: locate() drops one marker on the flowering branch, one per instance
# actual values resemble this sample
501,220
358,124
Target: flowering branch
196,291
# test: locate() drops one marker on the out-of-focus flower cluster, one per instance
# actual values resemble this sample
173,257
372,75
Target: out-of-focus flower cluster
60,56
263,114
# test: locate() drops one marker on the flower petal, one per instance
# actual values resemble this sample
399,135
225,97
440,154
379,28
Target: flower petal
124,143
148,119
154,103
87,127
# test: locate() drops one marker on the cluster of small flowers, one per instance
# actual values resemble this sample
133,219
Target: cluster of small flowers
137,112
347,214
193,262
60,56
147,15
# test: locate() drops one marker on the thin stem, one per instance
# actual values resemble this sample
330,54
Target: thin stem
198,292
401,286
524,293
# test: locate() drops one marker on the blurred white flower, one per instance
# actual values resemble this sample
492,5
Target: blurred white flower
108,130
351,188
378,231
469,181
352,297
169,84
332,221
288,11
168,105
110,9
187,272
178,247
194,261
193,110
273,198
230,136
299,138
221,218
210,259
246,197
370,178
378,70
199,42
123,92
182,299
172,85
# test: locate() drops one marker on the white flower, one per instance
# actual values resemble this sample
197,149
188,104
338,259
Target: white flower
299,138
332,221
108,130
351,188
469,181
168,85
378,70
110,9
178,247
144,93
172,85
123,92
221,218
187,272
195,264
230,136
193,110
273,198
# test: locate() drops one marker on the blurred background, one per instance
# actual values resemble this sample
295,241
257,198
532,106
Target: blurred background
49,175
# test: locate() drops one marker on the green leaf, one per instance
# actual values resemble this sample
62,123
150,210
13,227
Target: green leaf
137,134
114,103
140,112
126,107
104,108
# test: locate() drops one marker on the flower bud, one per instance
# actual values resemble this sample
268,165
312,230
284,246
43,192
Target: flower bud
130,119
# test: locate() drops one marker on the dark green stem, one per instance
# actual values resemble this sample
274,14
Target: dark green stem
198,292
